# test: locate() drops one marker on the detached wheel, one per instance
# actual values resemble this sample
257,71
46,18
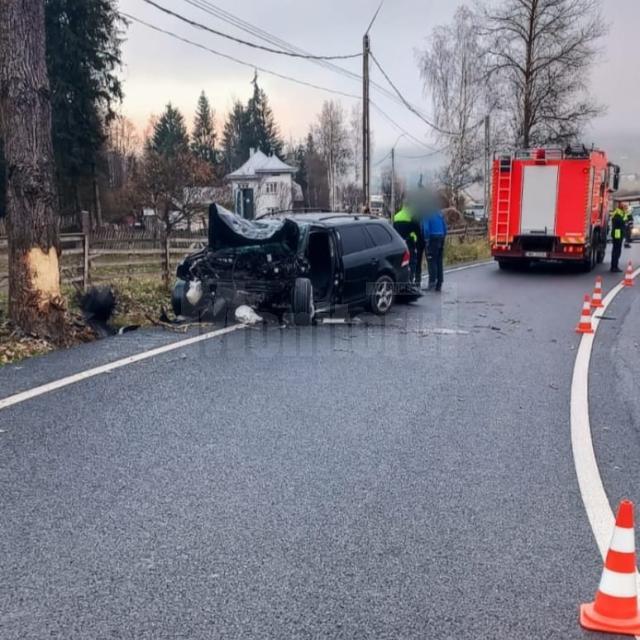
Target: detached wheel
382,296
302,302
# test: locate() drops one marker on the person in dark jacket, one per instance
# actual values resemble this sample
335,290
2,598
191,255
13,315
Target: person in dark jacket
618,227
628,219
434,230
406,225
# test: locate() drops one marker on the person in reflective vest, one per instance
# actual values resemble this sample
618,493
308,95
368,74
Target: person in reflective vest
618,227
409,229
628,219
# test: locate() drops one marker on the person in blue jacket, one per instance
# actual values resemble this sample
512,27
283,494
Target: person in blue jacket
434,231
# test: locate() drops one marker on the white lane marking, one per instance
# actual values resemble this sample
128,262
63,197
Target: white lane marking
594,497
111,366
475,265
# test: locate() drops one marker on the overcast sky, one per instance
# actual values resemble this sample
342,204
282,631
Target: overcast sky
159,69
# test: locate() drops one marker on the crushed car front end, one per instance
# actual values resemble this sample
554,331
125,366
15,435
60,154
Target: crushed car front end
252,263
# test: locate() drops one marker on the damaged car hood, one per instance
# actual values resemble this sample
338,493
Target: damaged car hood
229,231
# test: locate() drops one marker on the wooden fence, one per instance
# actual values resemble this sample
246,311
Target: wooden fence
114,255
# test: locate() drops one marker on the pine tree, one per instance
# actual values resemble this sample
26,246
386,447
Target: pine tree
170,137
203,142
262,130
83,46
234,146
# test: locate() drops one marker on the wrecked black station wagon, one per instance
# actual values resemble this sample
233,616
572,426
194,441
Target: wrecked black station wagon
302,264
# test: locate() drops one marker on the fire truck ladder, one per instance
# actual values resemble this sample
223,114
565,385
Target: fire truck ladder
503,200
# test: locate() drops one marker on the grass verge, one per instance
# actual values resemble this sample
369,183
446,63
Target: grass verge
139,301
458,252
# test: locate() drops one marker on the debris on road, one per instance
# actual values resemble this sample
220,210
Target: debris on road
442,332
246,315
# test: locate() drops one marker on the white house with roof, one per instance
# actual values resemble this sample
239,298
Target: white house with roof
264,184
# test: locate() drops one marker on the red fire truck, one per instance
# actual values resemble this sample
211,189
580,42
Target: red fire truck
551,204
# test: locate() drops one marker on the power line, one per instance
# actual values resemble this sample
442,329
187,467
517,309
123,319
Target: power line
415,111
406,103
210,8
254,45
377,164
237,60
276,74
375,15
389,119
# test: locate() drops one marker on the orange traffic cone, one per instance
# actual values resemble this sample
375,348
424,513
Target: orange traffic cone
596,300
615,609
628,276
584,326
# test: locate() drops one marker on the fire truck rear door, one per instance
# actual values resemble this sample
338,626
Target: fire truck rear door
539,200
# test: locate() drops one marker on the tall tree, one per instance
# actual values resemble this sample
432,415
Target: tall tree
261,128
170,137
453,75
25,116
233,137
83,58
203,143
316,190
332,142
3,182
541,52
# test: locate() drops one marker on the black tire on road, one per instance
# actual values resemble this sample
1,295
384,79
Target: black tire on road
382,295
302,302
590,262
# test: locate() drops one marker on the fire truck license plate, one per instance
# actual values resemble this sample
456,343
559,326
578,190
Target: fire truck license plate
536,254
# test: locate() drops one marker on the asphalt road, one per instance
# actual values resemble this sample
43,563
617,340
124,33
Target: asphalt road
403,479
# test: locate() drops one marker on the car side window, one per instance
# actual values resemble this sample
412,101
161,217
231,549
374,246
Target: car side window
354,239
379,235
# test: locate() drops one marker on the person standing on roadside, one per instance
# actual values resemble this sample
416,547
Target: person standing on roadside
618,227
405,224
628,218
434,230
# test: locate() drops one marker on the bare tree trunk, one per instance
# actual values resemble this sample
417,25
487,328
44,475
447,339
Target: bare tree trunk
35,303
97,204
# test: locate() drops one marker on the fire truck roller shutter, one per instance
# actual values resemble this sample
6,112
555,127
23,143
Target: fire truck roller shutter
539,200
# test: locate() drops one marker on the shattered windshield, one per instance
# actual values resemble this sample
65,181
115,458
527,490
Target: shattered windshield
228,230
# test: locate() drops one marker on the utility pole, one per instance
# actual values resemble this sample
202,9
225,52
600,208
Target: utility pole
393,183
366,123
487,165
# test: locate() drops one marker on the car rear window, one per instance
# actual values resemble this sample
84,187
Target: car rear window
354,239
379,234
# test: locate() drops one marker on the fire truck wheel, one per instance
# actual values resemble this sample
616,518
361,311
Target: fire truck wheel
590,263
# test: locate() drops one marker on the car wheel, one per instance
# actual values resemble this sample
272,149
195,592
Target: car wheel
302,302
382,296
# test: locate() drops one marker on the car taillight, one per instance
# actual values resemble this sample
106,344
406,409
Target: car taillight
406,259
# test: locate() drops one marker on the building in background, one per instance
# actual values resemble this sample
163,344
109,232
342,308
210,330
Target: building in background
264,184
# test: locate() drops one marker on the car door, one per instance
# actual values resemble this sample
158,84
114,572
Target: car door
358,257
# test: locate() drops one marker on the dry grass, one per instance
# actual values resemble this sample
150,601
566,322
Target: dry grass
458,252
